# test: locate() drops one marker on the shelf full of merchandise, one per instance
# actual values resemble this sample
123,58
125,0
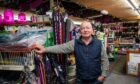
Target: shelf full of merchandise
17,66
120,36
27,23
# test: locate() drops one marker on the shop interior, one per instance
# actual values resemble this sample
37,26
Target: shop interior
53,22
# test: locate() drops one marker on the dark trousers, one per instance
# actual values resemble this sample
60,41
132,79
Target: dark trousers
94,81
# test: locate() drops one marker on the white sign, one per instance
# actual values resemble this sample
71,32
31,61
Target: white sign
133,57
133,68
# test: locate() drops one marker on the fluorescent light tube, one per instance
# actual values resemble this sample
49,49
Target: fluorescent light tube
134,5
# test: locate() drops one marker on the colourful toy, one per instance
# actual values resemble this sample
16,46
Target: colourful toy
8,16
21,17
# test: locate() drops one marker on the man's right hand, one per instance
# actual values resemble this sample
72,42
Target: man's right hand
39,48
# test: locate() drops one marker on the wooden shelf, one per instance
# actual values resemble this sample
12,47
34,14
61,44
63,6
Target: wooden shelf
111,37
27,23
137,44
126,43
15,67
110,43
121,43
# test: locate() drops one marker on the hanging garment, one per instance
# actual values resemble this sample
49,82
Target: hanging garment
48,69
40,70
28,77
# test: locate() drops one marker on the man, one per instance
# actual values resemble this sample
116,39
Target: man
92,62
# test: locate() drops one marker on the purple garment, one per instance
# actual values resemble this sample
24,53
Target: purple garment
36,3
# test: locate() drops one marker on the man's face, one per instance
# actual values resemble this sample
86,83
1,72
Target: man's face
86,29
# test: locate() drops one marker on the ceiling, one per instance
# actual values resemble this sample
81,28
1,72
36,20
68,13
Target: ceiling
35,6
117,8
78,8
81,11
41,6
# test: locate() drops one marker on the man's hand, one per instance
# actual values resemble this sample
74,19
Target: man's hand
101,78
39,48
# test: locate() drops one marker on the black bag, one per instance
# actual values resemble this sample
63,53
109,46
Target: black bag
137,39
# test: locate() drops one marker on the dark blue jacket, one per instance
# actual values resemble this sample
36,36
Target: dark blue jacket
88,59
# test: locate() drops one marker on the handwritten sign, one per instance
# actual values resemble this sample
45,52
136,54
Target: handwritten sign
134,57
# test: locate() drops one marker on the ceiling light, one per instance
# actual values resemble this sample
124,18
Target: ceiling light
134,6
104,12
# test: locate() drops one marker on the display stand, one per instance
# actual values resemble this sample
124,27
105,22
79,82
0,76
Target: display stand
15,61
133,62
139,70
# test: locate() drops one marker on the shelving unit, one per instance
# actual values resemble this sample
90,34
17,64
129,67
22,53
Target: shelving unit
120,36
121,43
110,43
27,23
15,67
126,43
14,59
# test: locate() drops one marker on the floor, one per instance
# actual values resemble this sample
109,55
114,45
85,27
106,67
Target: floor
118,73
121,79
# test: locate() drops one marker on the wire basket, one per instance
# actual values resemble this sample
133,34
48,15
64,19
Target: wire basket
16,57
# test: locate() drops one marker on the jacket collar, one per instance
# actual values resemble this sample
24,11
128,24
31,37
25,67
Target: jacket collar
81,42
